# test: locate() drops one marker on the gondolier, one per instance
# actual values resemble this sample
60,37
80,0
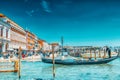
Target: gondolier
108,50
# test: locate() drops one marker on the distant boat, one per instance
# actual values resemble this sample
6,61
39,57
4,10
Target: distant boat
79,62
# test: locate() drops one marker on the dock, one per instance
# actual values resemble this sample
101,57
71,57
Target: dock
16,66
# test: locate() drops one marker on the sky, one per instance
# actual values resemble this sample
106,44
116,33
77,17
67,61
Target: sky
80,22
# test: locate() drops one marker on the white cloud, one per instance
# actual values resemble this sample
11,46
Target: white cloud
45,6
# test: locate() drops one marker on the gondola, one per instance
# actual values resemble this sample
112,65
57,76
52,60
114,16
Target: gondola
74,61
79,62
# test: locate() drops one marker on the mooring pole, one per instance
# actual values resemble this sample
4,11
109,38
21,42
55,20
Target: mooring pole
19,52
53,61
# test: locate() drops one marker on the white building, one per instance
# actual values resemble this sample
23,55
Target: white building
17,36
4,33
46,46
56,46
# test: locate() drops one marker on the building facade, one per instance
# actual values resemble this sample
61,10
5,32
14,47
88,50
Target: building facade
40,44
37,47
13,36
30,38
17,36
55,45
46,46
4,33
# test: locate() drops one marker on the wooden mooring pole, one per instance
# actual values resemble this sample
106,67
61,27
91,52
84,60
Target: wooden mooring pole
19,72
53,62
16,66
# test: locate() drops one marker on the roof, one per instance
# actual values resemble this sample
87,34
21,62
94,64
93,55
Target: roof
30,33
12,23
2,15
55,43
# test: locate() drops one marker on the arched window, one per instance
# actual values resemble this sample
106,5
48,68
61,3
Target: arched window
6,46
6,33
1,33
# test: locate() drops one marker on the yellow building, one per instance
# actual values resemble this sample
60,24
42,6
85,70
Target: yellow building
40,44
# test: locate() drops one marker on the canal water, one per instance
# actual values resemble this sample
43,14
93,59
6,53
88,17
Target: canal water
43,71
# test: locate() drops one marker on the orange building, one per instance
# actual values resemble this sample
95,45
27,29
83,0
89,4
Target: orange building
44,46
30,38
2,15
40,44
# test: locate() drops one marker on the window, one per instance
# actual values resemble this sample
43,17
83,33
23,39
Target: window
6,33
1,32
31,37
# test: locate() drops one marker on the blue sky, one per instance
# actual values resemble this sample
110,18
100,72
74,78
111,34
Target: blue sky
81,22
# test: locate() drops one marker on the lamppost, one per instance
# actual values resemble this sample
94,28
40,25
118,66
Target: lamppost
62,44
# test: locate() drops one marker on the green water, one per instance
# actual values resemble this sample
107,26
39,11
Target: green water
43,71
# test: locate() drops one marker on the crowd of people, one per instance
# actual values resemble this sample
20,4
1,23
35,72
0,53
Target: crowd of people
24,54
15,54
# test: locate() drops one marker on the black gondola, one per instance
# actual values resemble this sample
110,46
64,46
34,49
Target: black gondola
79,62
73,61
